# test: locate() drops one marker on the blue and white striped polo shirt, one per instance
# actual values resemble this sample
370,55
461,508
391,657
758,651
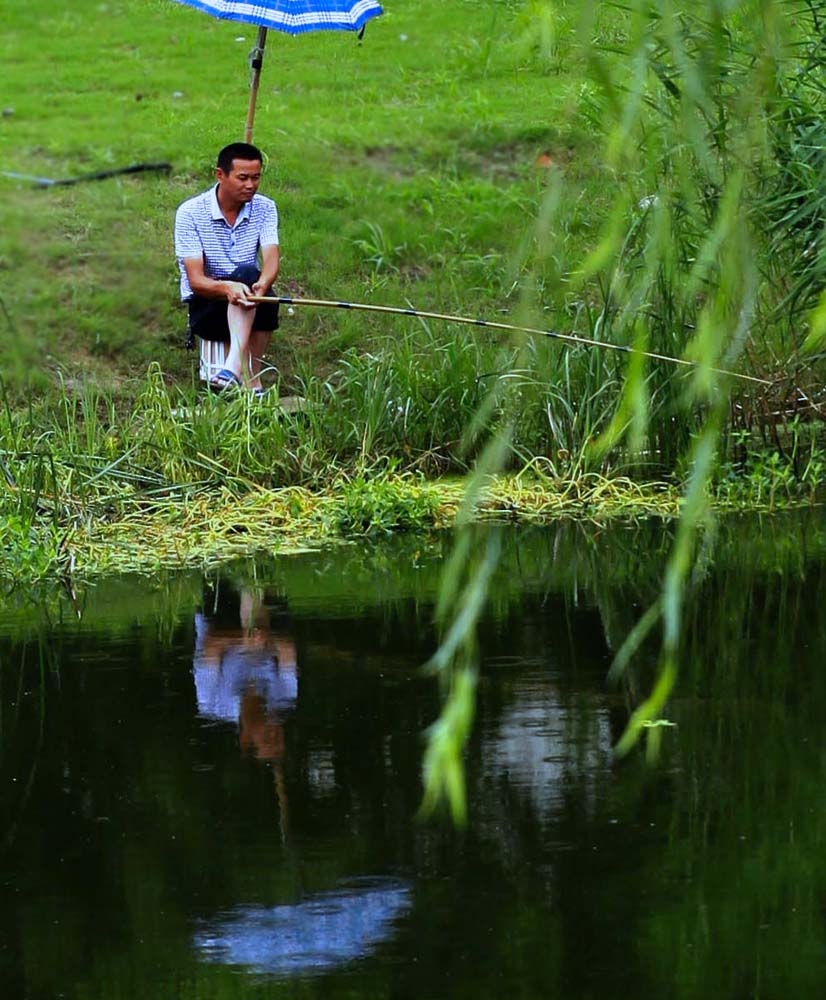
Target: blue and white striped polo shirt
202,231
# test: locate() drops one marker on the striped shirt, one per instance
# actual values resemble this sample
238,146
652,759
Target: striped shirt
202,231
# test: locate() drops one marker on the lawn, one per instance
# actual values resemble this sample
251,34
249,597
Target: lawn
409,167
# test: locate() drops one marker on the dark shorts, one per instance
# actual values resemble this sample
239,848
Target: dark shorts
208,317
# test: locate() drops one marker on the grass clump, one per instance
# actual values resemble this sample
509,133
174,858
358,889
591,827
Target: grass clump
368,506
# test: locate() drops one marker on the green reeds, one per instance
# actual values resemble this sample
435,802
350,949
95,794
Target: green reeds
368,452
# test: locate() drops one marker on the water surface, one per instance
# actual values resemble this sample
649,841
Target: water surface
209,786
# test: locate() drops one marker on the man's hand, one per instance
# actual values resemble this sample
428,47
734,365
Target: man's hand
260,288
238,294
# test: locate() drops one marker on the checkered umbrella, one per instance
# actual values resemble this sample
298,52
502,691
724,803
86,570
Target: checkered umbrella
290,16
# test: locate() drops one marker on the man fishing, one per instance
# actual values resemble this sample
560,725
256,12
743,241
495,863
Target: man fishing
226,242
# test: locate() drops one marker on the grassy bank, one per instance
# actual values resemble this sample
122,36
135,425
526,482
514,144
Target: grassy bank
177,478
219,526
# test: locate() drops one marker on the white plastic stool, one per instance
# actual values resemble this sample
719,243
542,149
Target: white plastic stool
213,358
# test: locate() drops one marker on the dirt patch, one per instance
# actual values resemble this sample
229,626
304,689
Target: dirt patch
289,287
515,161
411,273
390,161
502,162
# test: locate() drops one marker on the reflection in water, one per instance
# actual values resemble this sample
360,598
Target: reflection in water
247,674
320,933
140,854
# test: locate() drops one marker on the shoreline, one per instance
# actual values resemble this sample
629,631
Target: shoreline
218,526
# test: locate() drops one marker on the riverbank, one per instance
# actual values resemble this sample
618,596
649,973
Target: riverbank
217,526
392,443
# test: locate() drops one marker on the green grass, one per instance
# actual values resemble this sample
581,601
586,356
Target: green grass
455,160
404,168
87,487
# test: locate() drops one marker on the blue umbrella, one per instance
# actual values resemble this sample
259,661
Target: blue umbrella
290,16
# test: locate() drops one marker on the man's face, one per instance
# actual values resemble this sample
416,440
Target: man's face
241,183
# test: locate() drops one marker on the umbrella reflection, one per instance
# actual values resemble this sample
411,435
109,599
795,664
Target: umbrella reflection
320,933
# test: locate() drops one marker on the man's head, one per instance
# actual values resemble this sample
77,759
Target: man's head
238,170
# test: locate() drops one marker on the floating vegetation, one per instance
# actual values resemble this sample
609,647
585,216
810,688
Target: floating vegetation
217,525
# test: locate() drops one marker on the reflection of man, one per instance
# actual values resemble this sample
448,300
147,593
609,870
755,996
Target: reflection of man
247,676
218,238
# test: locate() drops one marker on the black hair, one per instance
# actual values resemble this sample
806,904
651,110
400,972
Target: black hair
237,151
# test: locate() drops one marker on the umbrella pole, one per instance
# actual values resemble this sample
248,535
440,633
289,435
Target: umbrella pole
256,62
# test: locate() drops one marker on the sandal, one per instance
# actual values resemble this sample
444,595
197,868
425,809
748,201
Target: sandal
224,380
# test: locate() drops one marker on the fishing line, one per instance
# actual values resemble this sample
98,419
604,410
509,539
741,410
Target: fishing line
569,338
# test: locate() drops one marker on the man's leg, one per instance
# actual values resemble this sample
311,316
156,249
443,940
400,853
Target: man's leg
214,320
251,344
258,343
239,321
217,320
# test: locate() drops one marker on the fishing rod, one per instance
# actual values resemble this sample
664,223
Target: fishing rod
570,338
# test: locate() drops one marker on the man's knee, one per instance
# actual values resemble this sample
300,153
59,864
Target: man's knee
247,273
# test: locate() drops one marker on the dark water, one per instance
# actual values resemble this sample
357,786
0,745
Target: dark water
209,787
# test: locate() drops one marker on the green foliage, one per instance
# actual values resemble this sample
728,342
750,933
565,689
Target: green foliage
710,120
444,775
463,593
27,551
763,478
794,196
384,505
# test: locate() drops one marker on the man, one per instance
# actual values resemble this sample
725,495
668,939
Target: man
219,236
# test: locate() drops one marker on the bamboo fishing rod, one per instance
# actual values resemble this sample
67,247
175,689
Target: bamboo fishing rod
569,338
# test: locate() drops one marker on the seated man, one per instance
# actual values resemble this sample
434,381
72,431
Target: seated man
219,236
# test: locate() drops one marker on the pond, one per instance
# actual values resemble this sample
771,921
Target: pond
209,785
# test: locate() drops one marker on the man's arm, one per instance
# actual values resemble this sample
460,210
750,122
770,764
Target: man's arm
270,259
235,292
